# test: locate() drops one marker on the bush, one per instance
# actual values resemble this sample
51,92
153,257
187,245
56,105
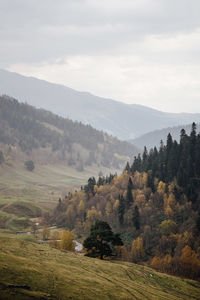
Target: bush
29,164
1,157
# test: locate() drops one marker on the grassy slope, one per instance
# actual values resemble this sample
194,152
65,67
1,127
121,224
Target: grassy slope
22,192
51,274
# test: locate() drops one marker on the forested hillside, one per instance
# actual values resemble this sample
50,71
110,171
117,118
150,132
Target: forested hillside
154,204
52,137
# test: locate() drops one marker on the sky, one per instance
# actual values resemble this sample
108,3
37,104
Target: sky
133,51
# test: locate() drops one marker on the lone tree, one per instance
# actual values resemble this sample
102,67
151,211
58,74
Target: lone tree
29,164
101,241
67,241
1,157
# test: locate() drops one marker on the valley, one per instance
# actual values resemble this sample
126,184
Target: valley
60,177
25,195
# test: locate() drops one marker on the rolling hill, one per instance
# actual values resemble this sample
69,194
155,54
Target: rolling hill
30,270
116,118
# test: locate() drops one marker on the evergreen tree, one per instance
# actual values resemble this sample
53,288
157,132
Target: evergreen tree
136,218
101,241
145,160
129,196
89,188
121,210
127,168
29,164
1,157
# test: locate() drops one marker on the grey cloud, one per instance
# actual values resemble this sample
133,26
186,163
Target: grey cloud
34,31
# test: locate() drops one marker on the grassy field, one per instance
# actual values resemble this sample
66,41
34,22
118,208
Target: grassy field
33,271
27,194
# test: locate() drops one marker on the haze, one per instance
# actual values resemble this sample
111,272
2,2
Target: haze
144,51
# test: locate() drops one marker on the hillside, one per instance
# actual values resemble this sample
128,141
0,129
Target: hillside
116,118
152,139
47,138
154,204
33,271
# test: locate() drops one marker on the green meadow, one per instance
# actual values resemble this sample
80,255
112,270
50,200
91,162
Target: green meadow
25,194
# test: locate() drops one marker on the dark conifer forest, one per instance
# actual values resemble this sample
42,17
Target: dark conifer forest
175,161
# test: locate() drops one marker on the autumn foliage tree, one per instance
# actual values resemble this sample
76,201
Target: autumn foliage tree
67,241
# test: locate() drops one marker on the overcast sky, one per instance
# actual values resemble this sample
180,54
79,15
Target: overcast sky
135,51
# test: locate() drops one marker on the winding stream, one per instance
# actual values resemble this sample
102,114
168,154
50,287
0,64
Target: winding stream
78,247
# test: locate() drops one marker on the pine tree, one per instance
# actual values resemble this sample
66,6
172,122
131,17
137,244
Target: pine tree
121,210
129,196
127,168
136,218
101,241
145,160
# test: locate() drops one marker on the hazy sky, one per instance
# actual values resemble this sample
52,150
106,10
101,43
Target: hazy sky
135,51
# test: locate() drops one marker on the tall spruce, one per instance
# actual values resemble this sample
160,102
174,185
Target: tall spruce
129,196
121,209
136,218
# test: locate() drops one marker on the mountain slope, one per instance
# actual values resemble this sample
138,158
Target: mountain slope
153,138
154,204
34,271
54,138
119,119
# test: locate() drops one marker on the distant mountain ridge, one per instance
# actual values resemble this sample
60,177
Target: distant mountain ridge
153,138
119,119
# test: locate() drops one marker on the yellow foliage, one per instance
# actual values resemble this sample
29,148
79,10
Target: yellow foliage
45,233
96,188
145,179
169,204
140,199
156,262
67,241
81,207
189,256
171,187
116,205
93,214
137,249
167,227
169,212
171,200
108,208
161,188
167,259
